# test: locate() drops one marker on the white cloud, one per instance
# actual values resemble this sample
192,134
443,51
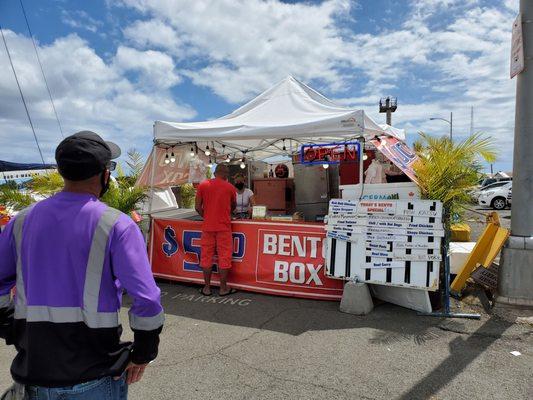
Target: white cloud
469,60
252,44
157,70
450,53
89,93
79,19
153,34
512,4
453,52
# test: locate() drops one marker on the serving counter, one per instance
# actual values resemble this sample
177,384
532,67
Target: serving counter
279,258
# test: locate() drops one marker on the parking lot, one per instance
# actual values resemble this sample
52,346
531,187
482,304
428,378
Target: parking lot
476,219
252,346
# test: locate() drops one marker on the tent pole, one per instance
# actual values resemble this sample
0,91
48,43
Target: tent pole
152,173
361,163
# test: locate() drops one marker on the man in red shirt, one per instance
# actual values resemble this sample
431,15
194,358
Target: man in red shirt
215,201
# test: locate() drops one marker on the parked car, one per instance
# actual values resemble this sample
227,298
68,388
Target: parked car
510,197
477,192
495,196
489,181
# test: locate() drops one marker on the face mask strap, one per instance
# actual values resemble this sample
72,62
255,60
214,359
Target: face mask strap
105,185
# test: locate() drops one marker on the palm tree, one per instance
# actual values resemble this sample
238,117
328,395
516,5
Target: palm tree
13,198
187,194
447,170
135,163
123,194
46,185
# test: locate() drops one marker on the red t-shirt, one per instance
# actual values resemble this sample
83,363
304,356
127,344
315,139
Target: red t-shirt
217,196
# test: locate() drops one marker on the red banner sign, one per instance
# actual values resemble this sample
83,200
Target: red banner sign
273,258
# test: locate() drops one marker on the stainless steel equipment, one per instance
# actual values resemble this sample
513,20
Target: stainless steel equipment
314,187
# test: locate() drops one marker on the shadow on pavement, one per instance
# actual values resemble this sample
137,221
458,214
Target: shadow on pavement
296,316
463,352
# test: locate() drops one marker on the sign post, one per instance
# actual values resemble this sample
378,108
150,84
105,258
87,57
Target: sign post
517,48
516,270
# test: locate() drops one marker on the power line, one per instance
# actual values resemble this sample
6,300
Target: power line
22,95
42,70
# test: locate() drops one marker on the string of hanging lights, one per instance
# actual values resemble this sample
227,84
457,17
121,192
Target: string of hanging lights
228,157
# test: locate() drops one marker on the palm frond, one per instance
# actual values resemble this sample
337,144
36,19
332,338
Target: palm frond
187,193
447,170
14,198
47,184
135,162
124,197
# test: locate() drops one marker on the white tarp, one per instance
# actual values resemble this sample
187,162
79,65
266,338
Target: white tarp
162,200
289,110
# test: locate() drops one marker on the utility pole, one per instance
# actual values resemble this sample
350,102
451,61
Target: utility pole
388,105
472,120
451,126
449,121
515,286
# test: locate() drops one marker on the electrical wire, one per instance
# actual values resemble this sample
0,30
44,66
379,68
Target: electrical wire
42,70
22,95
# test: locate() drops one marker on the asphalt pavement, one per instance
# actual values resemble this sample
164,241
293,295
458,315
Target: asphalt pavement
251,346
475,218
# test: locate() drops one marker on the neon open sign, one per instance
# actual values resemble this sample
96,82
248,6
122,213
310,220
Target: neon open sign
329,153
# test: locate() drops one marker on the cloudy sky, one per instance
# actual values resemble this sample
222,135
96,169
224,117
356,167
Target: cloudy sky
116,66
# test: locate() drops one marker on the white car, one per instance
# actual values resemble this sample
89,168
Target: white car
477,192
495,197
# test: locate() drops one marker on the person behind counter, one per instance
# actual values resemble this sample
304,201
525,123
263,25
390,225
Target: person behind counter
245,199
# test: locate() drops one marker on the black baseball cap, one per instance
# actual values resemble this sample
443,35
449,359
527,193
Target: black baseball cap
85,154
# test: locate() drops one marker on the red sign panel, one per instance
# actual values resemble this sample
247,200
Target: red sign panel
274,258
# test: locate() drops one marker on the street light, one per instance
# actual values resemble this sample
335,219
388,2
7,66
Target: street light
448,121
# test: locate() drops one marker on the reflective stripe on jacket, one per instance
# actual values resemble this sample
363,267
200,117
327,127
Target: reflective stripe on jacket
71,257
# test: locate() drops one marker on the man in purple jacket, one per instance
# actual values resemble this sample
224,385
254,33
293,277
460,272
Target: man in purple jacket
70,257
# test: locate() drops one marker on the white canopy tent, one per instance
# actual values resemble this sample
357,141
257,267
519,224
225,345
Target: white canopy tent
290,111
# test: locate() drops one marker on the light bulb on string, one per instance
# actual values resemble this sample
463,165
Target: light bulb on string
325,165
365,156
192,151
284,147
228,158
172,157
243,161
167,161
207,151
